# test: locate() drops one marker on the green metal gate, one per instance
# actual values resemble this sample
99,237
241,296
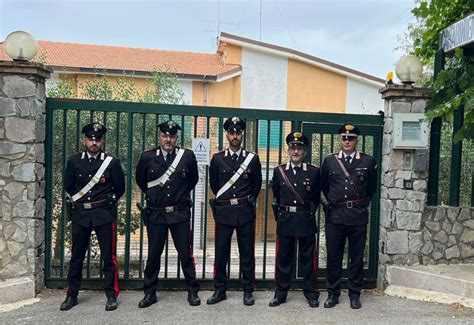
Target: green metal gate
132,129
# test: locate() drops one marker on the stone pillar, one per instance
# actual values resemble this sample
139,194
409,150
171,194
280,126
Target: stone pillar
401,209
22,182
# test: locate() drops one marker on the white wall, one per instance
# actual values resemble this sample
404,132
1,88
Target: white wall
264,80
187,87
363,98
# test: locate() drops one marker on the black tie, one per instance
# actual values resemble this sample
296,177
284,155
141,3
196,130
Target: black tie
296,168
91,160
348,159
168,158
235,157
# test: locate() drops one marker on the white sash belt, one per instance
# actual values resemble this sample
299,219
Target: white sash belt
236,176
164,178
94,180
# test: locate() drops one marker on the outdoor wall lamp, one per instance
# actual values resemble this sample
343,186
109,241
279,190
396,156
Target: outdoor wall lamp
21,46
409,69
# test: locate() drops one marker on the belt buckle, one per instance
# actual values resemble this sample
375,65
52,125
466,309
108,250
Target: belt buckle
291,209
169,209
87,206
234,201
349,205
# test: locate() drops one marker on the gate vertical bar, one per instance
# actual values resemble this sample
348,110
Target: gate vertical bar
435,141
456,154
129,196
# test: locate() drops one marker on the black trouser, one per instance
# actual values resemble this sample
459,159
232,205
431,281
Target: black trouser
285,253
246,241
106,234
336,235
157,234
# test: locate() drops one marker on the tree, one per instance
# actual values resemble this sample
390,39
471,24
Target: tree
163,87
454,86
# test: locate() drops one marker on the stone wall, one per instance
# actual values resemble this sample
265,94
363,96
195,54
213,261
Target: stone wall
22,184
448,235
401,209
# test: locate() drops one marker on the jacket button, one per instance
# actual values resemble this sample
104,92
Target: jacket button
345,188
233,195
89,175
345,196
294,201
89,198
295,184
167,195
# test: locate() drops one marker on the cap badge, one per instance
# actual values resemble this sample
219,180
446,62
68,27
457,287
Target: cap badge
349,127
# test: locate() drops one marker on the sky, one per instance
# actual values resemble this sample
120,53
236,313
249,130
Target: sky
359,34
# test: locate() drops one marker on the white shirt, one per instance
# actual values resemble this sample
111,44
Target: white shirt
293,167
238,152
352,155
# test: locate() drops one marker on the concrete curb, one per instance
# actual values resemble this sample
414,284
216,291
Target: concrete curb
15,290
429,296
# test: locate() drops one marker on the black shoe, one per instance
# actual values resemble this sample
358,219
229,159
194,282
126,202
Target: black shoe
193,299
148,300
68,303
332,301
355,302
216,298
313,302
111,304
249,300
277,301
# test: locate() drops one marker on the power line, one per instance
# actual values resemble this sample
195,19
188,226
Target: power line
286,25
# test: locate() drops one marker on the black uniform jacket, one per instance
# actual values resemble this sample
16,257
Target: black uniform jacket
79,172
248,185
175,192
307,184
337,188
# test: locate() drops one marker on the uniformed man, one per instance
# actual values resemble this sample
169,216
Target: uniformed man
349,181
296,196
94,182
235,179
167,175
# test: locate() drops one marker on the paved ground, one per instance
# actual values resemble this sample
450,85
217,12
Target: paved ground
173,309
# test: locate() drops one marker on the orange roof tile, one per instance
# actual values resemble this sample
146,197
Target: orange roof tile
116,58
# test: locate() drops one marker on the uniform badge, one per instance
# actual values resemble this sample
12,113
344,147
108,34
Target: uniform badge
307,185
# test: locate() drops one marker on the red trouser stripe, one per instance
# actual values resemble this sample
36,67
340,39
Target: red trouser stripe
254,231
277,250
114,258
315,266
215,257
191,245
